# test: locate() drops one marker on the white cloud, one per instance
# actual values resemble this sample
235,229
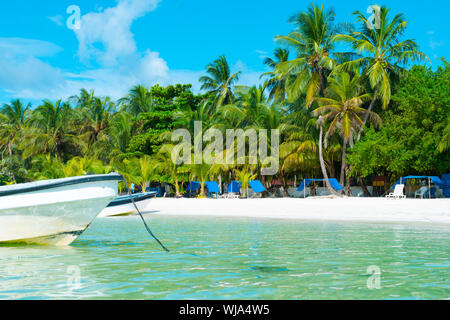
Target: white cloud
106,41
28,47
111,29
58,20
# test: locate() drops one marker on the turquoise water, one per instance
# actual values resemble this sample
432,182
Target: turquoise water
233,258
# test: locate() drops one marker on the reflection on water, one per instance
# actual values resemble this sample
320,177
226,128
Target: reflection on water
224,258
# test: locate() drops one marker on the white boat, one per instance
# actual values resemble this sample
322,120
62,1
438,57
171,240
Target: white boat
123,206
54,211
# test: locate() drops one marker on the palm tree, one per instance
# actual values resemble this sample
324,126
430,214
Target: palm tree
342,107
46,166
79,166
276,84
312,41
13,119
245,177
383,53
444,144
146,170
220,81
50,131
95,119
320,123
201,173
168,166
138,100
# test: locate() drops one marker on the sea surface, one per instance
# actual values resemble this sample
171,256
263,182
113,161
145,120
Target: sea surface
233,258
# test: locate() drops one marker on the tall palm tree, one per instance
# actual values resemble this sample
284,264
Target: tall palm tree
220,81
275,83
320,123
95,118
384,54
13,119
50,131
342,107
312,41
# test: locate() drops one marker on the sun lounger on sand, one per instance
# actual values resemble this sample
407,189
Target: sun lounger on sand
398,192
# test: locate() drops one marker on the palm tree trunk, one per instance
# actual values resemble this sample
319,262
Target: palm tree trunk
202,189
366,116
344,150
348,191
363,186
322,163
177,189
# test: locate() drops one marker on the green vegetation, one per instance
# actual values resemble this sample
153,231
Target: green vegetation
347,115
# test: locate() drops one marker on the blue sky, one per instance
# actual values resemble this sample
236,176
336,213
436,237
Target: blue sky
126,42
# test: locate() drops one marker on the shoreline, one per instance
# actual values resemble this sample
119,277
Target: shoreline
371,210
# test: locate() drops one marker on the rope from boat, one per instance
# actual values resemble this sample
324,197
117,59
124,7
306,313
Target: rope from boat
143,220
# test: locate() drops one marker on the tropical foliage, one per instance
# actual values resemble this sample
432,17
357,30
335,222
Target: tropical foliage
346,115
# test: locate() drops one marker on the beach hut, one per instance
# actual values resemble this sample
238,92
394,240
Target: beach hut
443,185
306,182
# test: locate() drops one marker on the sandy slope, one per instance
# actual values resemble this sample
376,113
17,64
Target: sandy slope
434,211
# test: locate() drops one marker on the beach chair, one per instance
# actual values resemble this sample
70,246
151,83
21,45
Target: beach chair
398,192
421,192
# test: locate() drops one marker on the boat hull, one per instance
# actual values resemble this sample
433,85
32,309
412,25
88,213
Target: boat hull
125,207
54,216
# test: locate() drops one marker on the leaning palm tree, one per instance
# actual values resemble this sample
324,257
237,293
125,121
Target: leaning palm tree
342,107
312,41
320,123
220,81
384,54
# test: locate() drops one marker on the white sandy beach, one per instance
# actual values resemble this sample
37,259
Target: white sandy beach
377,210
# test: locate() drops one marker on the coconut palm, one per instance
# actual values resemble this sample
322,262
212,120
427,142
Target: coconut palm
245,177
46,166
79,166
146,170
13,119
444,144
95,119
138,100
320,123
384,54
220,81
50,131
312,41
275,83
169,166
342,107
